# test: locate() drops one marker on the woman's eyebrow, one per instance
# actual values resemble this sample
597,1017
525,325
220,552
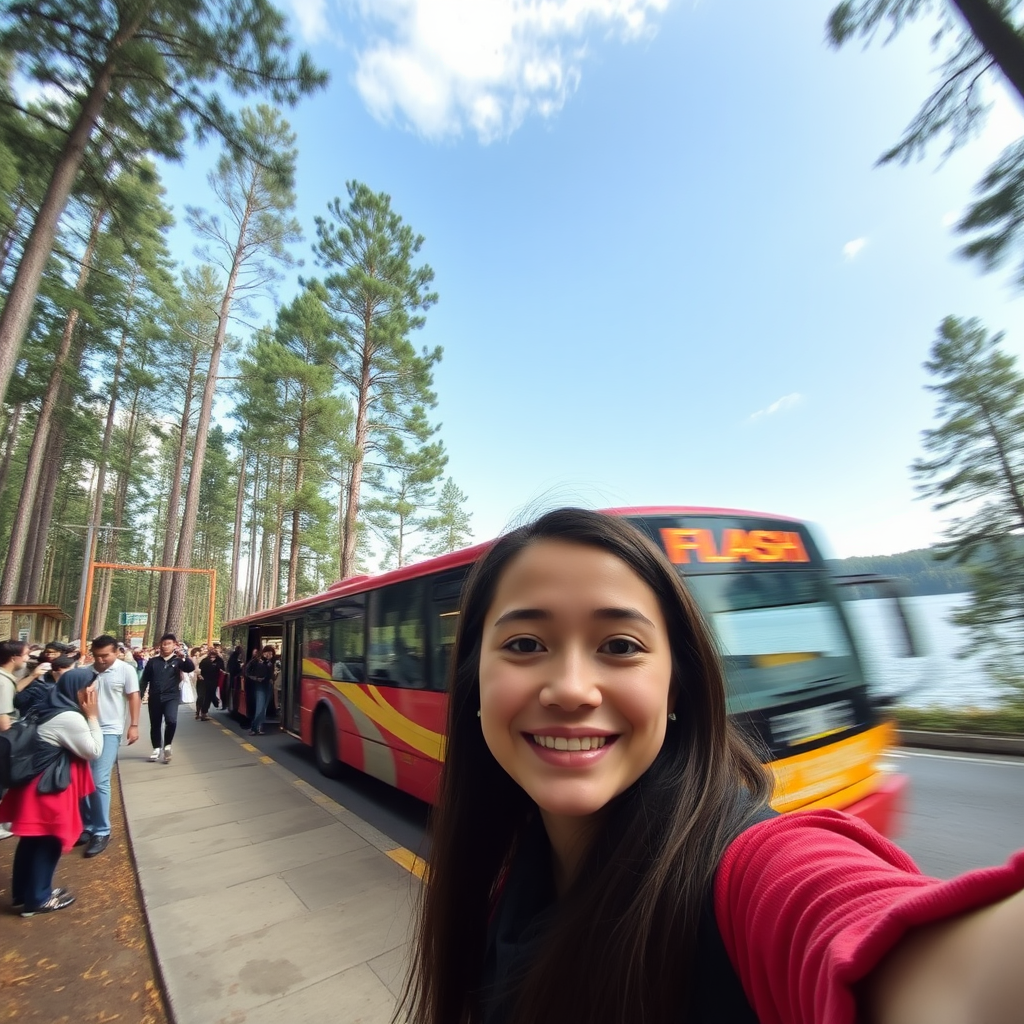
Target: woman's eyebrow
534,614
522,615
630,614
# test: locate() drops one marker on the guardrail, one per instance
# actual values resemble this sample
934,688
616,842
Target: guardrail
974,743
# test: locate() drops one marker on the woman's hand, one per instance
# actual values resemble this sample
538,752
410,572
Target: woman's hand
90,702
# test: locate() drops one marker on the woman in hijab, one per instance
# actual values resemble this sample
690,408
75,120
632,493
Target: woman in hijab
45,812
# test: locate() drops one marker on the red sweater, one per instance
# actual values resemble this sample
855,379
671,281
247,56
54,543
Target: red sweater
809,903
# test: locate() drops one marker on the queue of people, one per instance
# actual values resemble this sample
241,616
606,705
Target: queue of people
73,710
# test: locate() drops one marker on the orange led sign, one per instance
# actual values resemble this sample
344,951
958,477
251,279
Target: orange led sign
736,546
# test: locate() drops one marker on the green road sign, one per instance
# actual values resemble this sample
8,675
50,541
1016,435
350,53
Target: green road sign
133,618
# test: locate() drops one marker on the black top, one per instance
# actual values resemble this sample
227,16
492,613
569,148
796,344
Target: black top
211,667
165,675
260,671
526,909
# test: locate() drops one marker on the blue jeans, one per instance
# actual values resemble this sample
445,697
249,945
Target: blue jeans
35,861
96,806
262,692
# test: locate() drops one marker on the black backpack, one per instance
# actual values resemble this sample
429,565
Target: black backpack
25,755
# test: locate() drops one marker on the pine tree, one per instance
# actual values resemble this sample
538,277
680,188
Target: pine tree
255,190
984,43
404,486
976,466
138,75
377,297
449,530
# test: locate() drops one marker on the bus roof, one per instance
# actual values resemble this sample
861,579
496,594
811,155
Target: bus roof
464,556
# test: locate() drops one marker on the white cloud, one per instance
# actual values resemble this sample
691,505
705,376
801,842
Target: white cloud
779,405
853,247
312,18
442,67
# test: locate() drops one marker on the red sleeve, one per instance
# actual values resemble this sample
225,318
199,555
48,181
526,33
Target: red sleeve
809,903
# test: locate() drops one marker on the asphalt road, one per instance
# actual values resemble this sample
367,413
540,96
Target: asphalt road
964,811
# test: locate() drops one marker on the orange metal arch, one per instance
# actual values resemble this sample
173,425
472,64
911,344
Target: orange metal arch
93,566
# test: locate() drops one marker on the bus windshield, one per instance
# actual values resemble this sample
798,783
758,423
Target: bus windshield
781,635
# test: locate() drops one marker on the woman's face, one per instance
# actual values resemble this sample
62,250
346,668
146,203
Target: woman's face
575,673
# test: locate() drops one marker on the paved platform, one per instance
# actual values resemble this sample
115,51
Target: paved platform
267,900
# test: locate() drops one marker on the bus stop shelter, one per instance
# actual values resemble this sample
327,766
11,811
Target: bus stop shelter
32,623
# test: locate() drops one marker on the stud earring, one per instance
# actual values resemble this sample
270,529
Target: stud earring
671,716
477,712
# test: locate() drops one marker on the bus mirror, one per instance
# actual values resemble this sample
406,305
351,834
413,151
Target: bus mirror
889,588
889,642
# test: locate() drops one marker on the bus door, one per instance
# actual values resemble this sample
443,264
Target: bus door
291,676
890,645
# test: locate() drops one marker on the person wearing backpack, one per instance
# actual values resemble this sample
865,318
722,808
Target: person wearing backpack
44,812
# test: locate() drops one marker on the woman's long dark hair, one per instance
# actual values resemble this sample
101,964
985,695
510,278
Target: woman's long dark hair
622,946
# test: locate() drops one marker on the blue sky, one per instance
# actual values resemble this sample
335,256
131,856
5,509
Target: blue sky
669,272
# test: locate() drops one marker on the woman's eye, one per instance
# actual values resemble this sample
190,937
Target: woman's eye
620,645
524,645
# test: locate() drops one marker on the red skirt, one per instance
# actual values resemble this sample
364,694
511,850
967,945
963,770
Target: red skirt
49,814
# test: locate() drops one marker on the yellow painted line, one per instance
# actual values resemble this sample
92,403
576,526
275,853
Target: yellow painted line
267,760
249,747
227,732
408,860
298,782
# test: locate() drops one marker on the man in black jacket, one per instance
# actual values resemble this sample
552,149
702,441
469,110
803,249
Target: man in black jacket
162,675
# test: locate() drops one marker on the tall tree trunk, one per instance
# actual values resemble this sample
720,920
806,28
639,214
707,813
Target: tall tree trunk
11,234
176,600
23,515
293,554
998,36
22,294
173,503
275,566
348,551
32,571
10,443
153,622
96,513
236,541
250,586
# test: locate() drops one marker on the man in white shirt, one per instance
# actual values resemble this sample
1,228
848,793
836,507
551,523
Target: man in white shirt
13,656
117,686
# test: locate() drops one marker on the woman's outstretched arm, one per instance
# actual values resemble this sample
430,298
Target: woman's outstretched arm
968,969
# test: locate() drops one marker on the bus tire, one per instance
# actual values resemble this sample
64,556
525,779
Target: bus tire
325,745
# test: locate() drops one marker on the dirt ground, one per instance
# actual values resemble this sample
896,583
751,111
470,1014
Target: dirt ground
91,963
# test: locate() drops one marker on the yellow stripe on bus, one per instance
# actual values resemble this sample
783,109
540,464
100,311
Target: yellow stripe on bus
371,702
816,778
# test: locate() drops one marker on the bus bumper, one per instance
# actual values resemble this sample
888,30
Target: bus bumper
883,809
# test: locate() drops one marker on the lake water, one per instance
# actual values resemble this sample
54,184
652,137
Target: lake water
939,677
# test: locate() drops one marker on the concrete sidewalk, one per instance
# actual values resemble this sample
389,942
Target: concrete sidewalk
267,901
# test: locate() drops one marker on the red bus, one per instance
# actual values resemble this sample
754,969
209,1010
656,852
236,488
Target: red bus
364,665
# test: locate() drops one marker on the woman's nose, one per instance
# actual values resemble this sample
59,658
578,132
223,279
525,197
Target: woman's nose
572,682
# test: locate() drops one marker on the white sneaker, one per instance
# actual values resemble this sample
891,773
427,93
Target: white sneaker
167,755
5,830
155,756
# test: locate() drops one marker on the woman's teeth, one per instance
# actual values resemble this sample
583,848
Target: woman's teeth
570,742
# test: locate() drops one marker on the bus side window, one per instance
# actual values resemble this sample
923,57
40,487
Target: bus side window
397,651
316,646
444,621
348,648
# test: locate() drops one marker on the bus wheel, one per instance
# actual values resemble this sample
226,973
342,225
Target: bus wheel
325,746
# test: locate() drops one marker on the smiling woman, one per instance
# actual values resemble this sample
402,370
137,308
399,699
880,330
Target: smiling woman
603,848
